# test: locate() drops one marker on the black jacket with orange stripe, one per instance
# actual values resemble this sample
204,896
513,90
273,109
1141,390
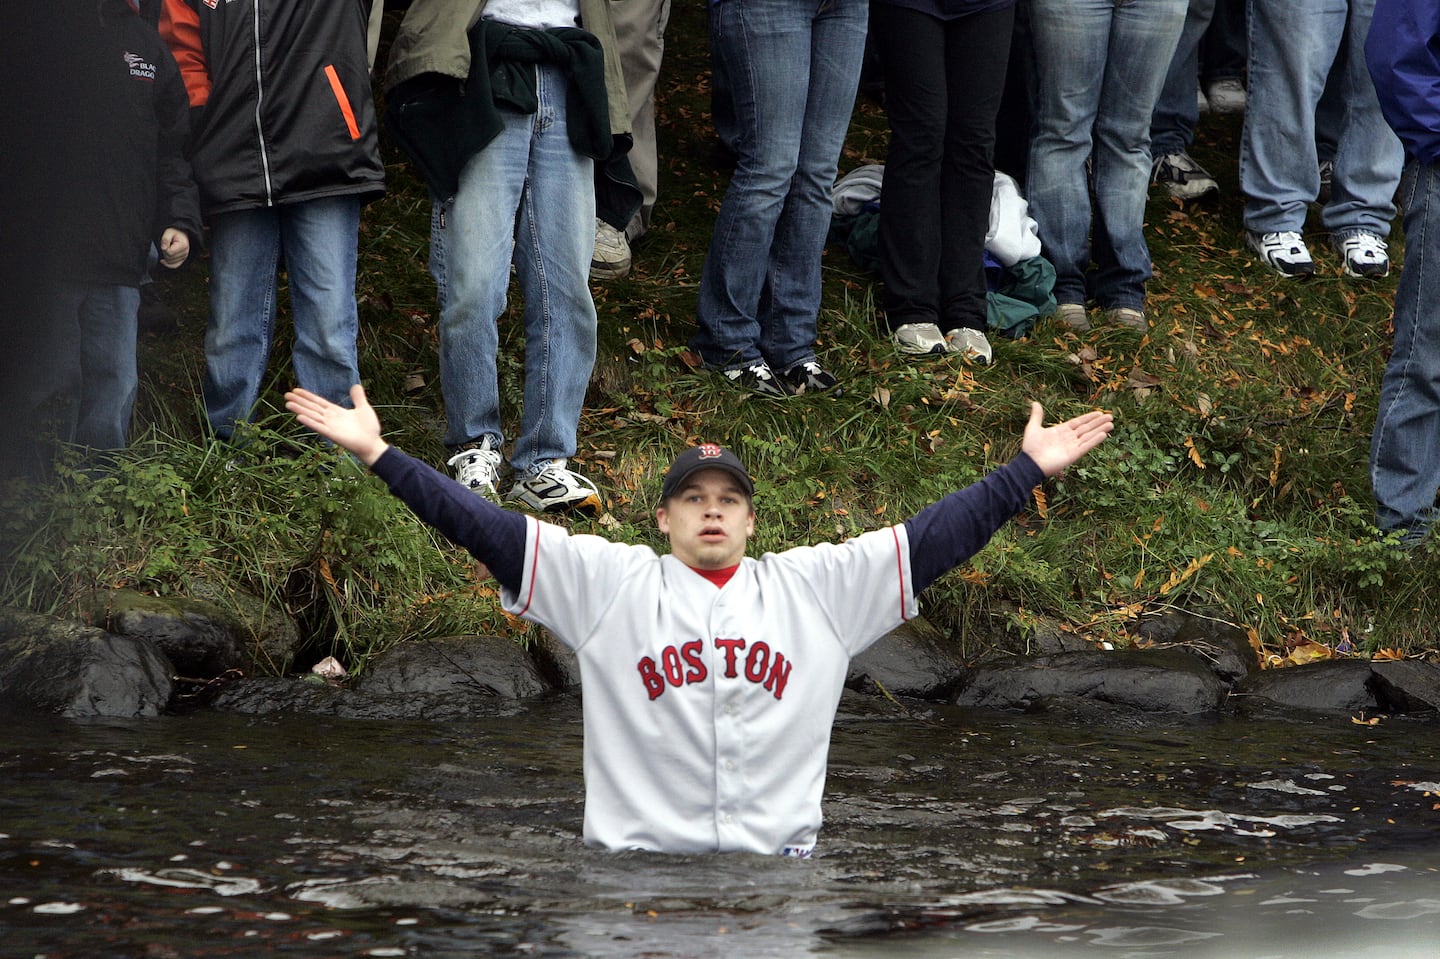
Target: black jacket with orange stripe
282,110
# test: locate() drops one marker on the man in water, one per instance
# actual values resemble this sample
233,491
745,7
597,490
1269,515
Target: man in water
710,679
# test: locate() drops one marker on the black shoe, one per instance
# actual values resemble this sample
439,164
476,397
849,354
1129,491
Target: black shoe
811,377
758,378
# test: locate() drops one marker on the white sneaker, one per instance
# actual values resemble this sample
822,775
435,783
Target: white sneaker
1284,252
1364,254
919,339
1226,96
478,468
1073,315
971,344
1183,177
1128,317
551,488
611,260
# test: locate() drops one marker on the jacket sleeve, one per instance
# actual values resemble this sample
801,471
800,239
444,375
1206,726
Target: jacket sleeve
945,534
1402,51
180,27
494,536
177,198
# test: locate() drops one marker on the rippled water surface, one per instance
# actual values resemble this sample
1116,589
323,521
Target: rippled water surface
948,834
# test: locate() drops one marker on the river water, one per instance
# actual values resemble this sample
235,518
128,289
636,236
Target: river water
949,833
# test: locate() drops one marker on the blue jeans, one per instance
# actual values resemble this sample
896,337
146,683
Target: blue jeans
1293,45
528,196
792,69
1172,125
1100,65
318,241
1404,455
93,366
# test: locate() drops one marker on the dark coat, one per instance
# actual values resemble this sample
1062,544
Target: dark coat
284,111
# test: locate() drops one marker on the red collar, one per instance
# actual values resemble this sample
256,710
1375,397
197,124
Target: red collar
718,576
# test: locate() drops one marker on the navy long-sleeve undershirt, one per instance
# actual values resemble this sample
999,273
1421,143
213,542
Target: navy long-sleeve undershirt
941,536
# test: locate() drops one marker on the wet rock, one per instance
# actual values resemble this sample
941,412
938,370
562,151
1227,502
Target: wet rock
556,661
1332,686
1224,648
1151,681
912,660
1407,686
1078,711
197,637
65,667
203,639
456,666
313,696
273,634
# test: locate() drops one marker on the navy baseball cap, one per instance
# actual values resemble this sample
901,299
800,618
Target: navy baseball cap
706,456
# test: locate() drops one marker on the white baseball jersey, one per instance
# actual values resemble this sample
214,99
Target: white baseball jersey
708,710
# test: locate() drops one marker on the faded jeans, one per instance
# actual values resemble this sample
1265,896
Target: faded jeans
318,241
1405,447
792,68
1293,46
1100,66
527,196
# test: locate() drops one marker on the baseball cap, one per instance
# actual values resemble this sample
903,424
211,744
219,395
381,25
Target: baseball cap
706,456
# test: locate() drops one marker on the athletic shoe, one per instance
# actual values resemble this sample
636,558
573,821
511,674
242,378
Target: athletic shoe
1129,318
1202,105
1283,252
611,260
811,377
1183,177
1364,254
477,468
758,378
919,339
1074,316
971,344
552,488
1327,181
1226,96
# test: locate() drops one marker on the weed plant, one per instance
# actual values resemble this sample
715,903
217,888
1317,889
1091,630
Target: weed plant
1235,484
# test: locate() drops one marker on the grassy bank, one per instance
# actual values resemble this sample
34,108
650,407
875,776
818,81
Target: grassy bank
1235,483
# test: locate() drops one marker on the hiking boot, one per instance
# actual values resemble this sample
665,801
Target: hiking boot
552,488
1182,177
971,344
1129,318
1226,96
1283,252
1363,253
810,377
758,378
919,339
1074,316
477,467
611,259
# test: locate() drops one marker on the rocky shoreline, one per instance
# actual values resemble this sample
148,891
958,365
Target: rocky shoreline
136,656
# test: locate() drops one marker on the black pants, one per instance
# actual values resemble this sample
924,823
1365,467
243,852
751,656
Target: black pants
943,82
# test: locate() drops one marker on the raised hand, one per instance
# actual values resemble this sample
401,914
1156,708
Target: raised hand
1053,448
356,430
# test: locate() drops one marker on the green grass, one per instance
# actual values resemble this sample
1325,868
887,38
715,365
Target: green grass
1235,483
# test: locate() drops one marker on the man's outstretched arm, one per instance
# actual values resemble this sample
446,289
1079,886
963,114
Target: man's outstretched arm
494,536
947,533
